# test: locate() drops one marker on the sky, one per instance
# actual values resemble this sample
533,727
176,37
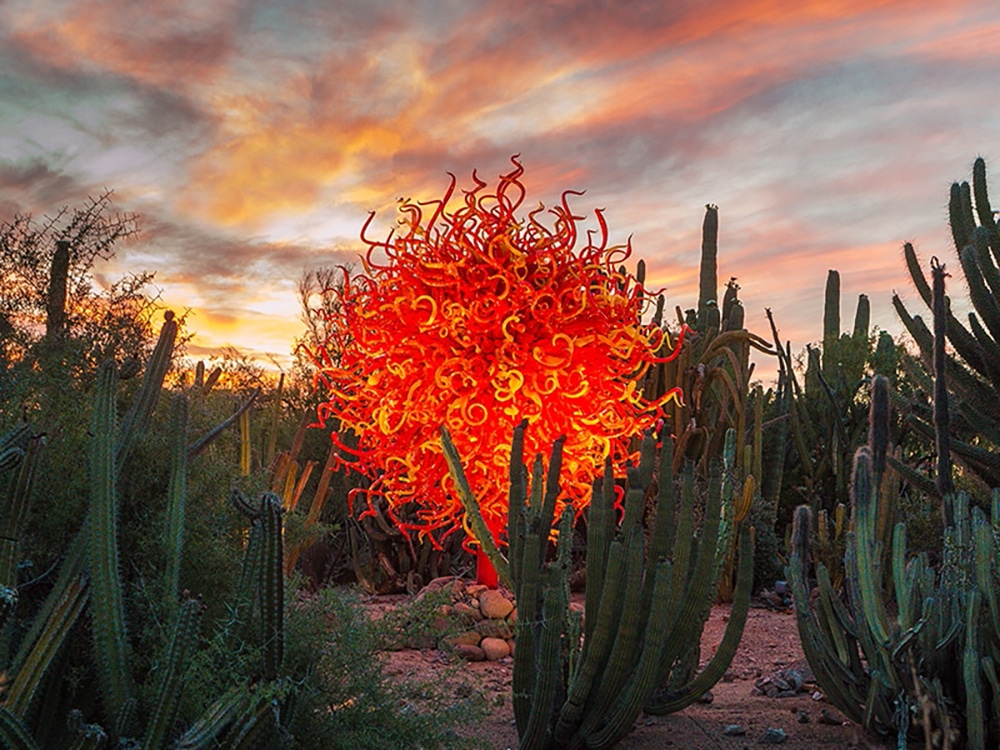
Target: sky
253,137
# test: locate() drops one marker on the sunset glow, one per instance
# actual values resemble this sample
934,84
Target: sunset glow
254,138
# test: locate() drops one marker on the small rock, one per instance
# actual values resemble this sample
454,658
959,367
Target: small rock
706,697
439,583
827,717
440,625
512,617
418,642
817,696
494,648
734,730
494,604
475,589
803,717
470,653
774,736
468,612
468,638
495,629
510,643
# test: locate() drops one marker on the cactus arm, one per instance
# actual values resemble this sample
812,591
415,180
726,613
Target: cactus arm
272,582
596,650
537,729
708,283
831,322
979,191
687,694
516,508
210,727
528,600
16,515
14,735
182,645
869,570
975,722
201,443
107,600
624,647
548,510
600,529
137,418
974,261
34,664
628,703
983,238
960,214
476,521
176,493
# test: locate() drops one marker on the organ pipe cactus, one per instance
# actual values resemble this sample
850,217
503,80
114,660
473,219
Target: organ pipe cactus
973,362
910,650
91,579
646,602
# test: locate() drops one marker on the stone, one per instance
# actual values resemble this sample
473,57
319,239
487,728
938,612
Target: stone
510,644
494,648
495,629
440,625
468,611
494,604
734,730
773,736
512,617
468,638
475,589
827,717
421,642
470,653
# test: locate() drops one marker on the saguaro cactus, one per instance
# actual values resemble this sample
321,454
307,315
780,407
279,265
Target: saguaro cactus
646,604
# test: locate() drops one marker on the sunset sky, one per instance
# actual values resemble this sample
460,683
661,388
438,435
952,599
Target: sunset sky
253,137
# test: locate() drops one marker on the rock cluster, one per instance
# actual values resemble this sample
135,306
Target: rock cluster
477,624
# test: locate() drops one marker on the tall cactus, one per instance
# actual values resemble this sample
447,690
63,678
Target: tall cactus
16,508
972,367
91,578
110,632
646,604
879,667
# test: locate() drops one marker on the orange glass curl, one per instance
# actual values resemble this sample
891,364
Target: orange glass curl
477,319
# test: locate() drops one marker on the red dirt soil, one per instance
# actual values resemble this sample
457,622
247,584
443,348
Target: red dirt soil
770,643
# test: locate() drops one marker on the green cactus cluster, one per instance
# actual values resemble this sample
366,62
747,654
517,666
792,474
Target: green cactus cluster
583,683
137,704
972,364
885,646
908,646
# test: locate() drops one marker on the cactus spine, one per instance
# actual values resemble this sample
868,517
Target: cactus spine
272,580
110,633
176,493
182,645
646,605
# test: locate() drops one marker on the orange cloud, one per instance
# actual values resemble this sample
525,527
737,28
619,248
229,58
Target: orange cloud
165,43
